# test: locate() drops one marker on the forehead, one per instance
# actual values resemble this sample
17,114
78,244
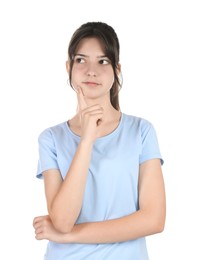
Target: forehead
90,45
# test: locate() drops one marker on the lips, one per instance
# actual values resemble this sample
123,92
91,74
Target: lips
91,83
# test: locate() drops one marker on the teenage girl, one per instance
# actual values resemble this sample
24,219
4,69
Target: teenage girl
102,168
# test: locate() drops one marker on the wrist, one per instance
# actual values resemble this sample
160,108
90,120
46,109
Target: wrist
86,143
69,238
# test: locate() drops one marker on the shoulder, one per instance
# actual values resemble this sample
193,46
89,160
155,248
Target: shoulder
52,132
137,122
139,127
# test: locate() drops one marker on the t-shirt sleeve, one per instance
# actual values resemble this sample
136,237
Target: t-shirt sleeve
47,153
150,147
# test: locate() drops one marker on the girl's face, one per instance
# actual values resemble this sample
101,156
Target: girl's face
92,70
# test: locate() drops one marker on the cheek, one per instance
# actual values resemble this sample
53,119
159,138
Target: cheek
76,73
110,76
111,82
78,68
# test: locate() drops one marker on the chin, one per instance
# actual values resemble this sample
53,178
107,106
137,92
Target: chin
96,94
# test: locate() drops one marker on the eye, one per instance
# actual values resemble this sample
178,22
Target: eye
79,60
104,61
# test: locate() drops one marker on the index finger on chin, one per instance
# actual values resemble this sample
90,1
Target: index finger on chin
81,99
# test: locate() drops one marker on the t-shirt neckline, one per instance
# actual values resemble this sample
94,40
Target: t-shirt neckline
110,135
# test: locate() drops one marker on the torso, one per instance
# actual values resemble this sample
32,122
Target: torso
112,183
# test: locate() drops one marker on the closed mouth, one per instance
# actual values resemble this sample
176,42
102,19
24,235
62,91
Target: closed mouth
91,83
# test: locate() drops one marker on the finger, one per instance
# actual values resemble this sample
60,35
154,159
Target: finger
93,112
81,100
37,219
37,225
38,230
89,109
40,236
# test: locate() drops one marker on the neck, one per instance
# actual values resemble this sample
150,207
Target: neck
109,122
109,110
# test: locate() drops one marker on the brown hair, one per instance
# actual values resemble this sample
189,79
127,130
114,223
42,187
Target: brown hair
108,37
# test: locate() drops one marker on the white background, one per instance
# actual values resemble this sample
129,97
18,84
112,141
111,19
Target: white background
161,66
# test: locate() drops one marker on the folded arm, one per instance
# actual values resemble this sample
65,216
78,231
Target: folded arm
149,219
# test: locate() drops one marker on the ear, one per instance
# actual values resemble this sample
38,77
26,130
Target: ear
67,66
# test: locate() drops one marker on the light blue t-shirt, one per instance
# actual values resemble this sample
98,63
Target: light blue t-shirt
112,183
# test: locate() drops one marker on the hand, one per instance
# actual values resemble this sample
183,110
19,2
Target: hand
44,229
90,118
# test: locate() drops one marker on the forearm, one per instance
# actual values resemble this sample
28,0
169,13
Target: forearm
136,225
131,227
67,203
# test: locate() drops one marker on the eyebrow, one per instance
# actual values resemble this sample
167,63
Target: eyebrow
87,56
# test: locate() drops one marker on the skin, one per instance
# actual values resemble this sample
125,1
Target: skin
92,78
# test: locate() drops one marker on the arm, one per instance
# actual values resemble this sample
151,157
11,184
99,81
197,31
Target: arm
149,219
64,198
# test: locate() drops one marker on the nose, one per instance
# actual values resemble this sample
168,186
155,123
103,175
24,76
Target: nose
91,71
